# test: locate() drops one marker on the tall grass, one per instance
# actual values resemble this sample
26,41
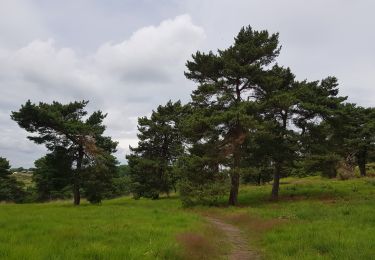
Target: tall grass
314,219
117,229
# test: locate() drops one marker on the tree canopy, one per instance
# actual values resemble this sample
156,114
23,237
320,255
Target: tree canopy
68,126
159,146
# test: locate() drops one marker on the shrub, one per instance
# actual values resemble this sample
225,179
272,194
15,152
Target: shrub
11,190
208,194
120,187
325,165
200,182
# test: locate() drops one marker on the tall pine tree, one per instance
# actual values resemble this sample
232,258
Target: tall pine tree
151,162
226,82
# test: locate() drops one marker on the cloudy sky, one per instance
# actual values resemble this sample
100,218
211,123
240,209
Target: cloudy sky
127,56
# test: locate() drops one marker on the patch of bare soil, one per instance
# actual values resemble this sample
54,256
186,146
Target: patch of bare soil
196,246
240,249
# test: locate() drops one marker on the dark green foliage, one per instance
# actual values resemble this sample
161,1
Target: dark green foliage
325,165
121,183
99,177
123,170
290,109
4,168
65,126
147,179
10,188
121,186
200,184
160,144
257,176
354,128
53,176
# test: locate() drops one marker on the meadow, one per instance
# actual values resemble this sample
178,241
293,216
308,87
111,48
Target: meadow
117,229
315,219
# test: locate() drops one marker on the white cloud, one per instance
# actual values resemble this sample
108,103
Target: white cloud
125,79
151,53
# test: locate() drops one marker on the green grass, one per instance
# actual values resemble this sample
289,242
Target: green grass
117,229
314,219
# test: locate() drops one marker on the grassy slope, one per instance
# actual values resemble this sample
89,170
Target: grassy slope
315,219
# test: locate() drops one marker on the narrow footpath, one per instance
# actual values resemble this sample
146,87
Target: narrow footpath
240,248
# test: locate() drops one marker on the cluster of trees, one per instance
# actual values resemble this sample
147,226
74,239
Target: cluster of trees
80,159
249,120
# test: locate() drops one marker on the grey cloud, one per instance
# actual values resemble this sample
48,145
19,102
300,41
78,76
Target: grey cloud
20,22
125,79
126,67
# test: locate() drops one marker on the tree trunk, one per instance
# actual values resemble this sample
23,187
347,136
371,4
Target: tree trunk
259,178
362,169
361,160
235,184
276,181
77,195
235,180
77,177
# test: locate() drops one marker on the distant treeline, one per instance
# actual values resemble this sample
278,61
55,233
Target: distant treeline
249,120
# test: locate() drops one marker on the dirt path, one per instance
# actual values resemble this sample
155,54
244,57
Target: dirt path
240,249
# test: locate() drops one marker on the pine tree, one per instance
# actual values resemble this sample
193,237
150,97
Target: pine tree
354,128
160,144
224,95
288,110
64,125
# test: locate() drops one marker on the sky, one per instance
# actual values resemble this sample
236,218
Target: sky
128,56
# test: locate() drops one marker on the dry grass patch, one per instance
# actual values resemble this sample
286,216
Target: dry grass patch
254,225
209,243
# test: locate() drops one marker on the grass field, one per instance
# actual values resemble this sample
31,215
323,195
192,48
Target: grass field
118,229
314,219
